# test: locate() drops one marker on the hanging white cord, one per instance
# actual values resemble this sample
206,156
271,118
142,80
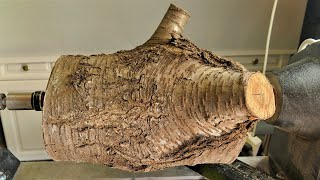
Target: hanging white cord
267,49
269,36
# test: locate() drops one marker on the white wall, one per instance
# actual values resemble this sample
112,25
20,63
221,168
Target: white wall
54,27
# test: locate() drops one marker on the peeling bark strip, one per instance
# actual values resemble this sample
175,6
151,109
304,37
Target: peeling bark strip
165,103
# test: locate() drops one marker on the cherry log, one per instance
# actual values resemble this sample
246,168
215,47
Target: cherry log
165,103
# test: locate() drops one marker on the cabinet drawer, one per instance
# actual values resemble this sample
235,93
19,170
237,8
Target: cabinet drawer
255,63
28,67
22,71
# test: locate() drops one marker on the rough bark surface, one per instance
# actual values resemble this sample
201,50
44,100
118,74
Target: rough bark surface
165,103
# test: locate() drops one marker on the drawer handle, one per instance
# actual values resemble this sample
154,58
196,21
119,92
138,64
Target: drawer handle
255,61
25,67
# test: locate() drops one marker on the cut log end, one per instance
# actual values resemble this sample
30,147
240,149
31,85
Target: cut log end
259,96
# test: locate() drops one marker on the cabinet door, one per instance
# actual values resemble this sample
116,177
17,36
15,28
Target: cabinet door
22,128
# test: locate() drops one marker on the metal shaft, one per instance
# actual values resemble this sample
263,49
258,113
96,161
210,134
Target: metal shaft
19,101
22,101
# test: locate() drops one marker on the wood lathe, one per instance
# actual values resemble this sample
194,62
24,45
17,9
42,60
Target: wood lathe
166,103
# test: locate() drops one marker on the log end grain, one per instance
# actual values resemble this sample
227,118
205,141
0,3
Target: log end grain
259,96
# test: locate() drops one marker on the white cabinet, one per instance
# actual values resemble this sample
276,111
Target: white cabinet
22,128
